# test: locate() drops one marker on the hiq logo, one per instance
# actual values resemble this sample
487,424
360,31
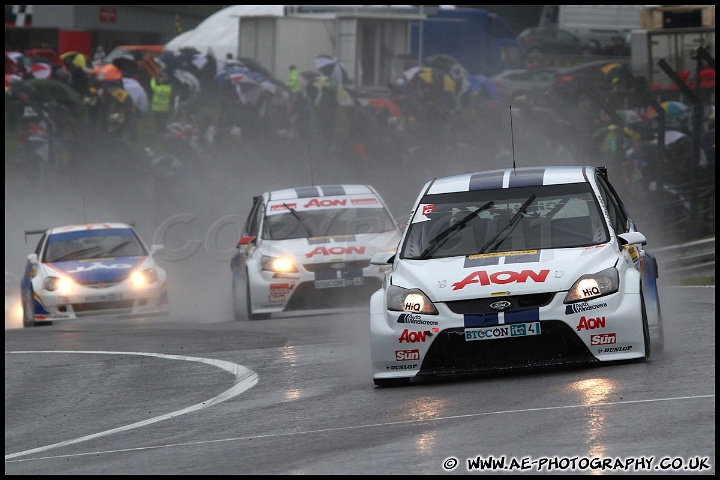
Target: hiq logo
412,307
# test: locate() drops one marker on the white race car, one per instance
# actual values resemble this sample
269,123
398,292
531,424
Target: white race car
309,248
97,269
514,268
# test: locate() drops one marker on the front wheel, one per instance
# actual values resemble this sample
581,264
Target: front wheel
28,306
237,309
646,328
250,315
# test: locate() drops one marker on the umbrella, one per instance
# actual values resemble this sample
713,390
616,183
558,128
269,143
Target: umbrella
126,64
75,58
107,72
41,70
41,91
188,79
673,109
255,66
333,68
137,93
629,116
380,103
672,136
611,68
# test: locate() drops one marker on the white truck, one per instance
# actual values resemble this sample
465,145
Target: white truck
608,25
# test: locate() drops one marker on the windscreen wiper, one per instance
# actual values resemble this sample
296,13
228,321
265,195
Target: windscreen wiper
443,236
299,218
507,228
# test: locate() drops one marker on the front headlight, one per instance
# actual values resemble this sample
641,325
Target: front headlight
63,285
277,264
144,277
594,285
409,300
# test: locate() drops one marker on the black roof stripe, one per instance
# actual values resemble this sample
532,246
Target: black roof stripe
486,181
329,190
305,192
527,178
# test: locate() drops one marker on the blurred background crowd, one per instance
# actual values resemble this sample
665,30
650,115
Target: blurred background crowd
167,112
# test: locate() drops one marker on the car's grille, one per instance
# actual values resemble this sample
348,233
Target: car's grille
307,297
335,266
80,308
557,344
482,305
98,284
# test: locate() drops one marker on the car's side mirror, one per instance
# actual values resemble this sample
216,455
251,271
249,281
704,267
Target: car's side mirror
632,238
32,258
156,249
382,258
246,240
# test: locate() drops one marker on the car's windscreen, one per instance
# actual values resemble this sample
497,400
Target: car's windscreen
486,221
92,244
326,222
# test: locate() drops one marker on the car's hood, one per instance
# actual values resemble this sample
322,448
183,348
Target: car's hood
108,270
346,248
534,271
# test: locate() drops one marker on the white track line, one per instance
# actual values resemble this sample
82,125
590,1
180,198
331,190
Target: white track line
244,380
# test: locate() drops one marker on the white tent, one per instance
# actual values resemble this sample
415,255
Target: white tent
219,32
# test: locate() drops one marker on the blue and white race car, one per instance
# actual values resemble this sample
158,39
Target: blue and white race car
309,248
514,268
97,269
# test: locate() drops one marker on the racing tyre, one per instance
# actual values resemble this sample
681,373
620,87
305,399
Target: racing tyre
646,328
391,382
237,309
659,344
250,315
28,306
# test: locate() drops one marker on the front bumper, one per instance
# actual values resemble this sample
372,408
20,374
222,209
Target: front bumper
408,345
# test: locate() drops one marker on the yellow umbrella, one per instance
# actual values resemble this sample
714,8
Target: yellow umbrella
77,58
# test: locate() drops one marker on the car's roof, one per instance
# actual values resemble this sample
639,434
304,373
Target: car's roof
320,191
510,178
87,226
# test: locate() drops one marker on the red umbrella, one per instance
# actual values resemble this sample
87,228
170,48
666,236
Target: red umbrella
381,103
41,70
107,72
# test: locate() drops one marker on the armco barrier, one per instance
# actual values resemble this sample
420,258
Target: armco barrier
689,260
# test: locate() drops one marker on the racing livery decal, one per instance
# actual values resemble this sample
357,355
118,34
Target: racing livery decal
591,323
407,355
415,319
501,278
582,307
412,337
626,348
337,250
485,259
603,339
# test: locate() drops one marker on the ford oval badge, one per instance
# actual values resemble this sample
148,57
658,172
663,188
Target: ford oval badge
500,305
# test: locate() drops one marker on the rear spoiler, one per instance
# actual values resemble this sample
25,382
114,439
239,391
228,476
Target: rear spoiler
40,231
34,232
